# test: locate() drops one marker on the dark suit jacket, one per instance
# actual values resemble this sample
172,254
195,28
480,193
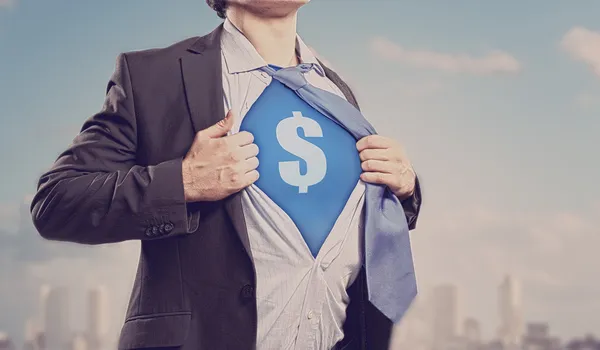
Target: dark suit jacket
121,180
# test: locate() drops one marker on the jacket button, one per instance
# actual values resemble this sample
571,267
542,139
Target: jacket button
149,231
169,227
161,229
154,230
247,292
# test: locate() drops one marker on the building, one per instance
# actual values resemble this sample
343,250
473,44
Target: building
5,342
587,343
78,342
97,326
38,343
55,315
538,337
472,333
510,310
445,315
34,338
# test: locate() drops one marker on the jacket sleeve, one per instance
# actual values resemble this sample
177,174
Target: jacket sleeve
95,193
412,206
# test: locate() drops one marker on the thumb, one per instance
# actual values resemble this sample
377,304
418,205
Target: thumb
219,129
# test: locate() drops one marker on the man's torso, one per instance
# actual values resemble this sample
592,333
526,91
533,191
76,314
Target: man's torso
196,291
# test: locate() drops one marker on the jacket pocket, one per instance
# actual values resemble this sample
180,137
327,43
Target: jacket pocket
157,330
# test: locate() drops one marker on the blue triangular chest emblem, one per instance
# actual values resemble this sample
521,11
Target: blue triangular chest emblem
309,165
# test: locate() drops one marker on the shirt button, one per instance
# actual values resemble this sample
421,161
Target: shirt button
310,314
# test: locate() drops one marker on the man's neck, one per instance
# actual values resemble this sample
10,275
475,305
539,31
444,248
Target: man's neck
273,38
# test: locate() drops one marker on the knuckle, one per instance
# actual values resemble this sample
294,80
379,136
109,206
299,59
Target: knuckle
234,178
230,156
218,143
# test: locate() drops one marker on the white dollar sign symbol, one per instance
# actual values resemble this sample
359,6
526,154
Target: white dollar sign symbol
316,163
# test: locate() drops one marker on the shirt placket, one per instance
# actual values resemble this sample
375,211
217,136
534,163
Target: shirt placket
310,314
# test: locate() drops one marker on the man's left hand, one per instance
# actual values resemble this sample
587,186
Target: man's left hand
384,162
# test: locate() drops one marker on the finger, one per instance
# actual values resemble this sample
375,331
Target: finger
250,178
219,129
379,166
248,151
242,138
376,154
248,165
373,142
377,178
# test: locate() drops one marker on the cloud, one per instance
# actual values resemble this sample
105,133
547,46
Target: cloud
554,254
583,45
7,3
495,62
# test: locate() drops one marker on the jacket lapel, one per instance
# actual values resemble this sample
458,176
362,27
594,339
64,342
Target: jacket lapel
201,71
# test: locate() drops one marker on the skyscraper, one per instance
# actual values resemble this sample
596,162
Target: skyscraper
415,330
97,318
510,310
55,311
445,314
41,320
472,331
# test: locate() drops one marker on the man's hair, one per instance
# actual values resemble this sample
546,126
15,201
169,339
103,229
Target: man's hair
220,6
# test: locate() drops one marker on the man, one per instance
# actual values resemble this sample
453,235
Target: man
226,261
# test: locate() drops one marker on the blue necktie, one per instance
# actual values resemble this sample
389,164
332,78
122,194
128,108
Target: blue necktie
391,282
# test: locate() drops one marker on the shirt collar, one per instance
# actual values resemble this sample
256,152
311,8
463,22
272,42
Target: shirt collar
241,56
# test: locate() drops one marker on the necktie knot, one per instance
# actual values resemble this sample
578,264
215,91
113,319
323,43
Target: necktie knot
292,77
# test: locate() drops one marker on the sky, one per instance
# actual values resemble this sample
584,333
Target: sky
496,103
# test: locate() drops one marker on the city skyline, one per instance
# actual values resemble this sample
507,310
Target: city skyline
436,321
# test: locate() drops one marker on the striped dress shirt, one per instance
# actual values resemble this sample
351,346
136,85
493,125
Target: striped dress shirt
301,299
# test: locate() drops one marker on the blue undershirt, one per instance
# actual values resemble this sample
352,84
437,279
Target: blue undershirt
311,170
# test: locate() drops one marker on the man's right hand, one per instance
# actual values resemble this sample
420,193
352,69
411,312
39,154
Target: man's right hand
218,165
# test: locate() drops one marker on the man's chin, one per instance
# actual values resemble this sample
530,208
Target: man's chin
271,8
